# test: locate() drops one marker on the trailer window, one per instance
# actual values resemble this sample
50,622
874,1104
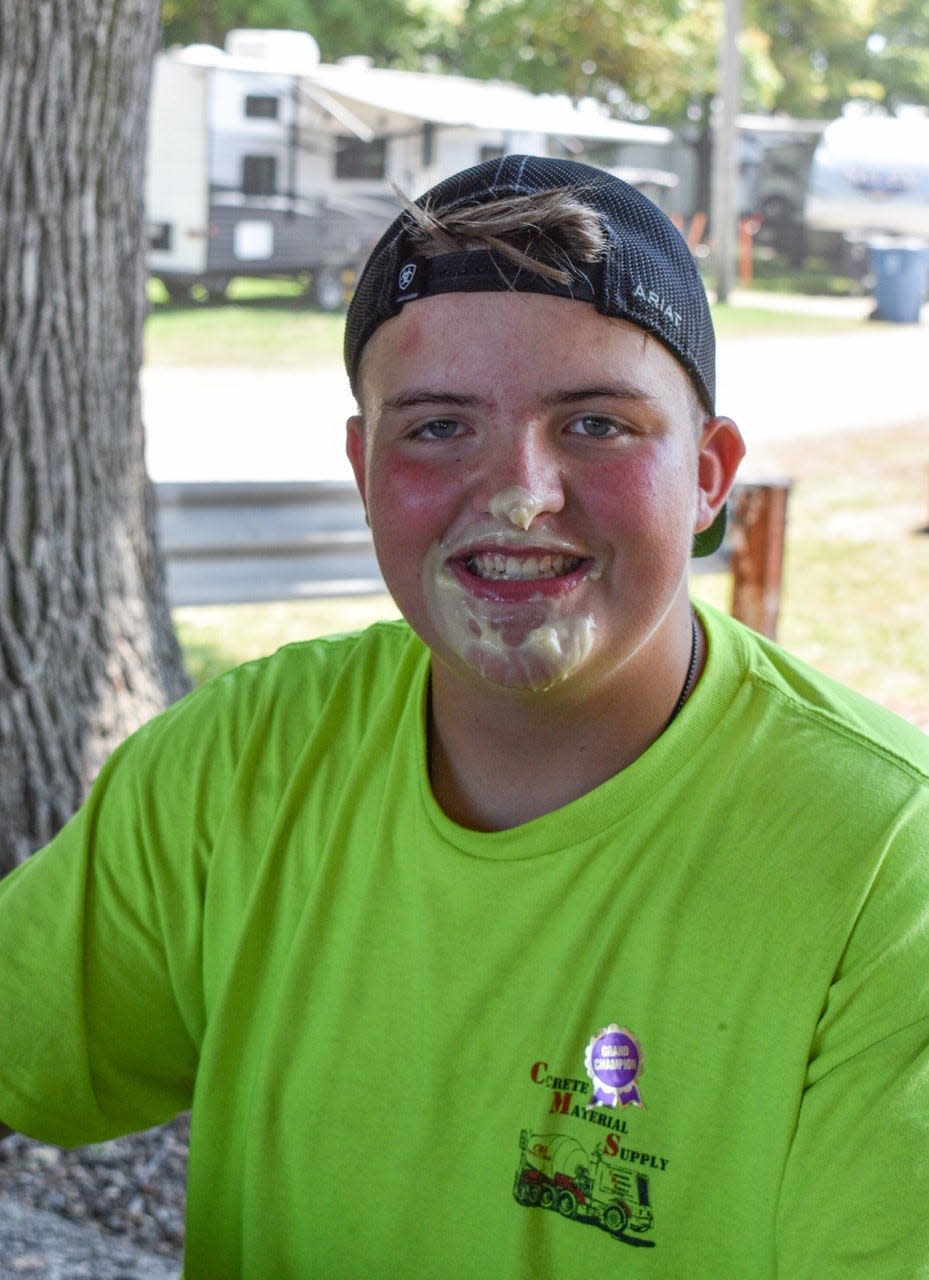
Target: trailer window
260,106
355,159
259,175
159,235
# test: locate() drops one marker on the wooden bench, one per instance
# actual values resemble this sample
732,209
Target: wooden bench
235,542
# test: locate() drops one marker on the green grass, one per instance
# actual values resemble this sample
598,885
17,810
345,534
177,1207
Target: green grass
855,603
771,273
741,320
217,637
265,324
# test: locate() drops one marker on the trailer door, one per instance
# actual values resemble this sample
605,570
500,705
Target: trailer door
177,174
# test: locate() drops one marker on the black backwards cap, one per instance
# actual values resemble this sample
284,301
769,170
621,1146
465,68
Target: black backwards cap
647,275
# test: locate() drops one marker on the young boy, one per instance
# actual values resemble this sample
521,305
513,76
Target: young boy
562,928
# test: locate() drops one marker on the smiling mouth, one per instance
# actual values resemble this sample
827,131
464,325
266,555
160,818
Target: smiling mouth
493,566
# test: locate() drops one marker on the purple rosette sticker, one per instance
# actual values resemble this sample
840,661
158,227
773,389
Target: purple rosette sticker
614,1060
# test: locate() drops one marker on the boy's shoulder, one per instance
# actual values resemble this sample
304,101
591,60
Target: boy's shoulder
829,715
292,683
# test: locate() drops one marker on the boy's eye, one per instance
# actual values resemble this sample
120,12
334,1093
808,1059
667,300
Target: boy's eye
438,429
592,425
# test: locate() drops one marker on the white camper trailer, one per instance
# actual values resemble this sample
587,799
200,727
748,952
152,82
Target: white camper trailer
263,161
869,177
236,183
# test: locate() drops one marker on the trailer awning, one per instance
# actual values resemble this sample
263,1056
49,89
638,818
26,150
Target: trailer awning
458,101
338,110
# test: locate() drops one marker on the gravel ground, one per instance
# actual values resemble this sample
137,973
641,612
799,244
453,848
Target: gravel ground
108,1212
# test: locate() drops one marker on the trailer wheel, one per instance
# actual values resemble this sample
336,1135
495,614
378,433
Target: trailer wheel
615,1219
216,289
210,291
178,292
328,289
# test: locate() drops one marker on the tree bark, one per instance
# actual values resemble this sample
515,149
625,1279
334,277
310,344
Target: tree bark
87,650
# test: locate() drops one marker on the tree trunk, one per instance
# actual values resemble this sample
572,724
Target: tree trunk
87,651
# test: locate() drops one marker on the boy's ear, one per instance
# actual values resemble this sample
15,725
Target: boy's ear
721,450
355,448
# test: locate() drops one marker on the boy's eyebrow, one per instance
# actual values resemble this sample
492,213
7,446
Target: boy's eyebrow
570,395
430,395
621,390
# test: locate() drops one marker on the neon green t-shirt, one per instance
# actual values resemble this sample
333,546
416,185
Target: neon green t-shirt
677,1029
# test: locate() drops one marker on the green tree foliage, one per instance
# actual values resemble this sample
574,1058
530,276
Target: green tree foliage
815,55
812,51
392,32
625,52
804,57
646,58
895,56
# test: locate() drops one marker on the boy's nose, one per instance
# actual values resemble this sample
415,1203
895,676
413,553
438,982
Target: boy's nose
523,481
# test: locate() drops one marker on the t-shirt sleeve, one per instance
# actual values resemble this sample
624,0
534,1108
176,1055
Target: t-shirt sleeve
855,1197
115,939
101,990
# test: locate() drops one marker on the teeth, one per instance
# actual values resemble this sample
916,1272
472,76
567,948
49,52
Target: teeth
492,564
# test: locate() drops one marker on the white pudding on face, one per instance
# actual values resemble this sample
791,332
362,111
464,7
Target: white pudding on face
515,504
532,643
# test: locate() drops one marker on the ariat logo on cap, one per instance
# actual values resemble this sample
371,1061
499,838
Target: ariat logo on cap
405,279
655,300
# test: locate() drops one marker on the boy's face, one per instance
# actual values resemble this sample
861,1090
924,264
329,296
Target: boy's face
533,476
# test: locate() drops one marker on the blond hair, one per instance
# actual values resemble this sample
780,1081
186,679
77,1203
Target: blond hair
545,232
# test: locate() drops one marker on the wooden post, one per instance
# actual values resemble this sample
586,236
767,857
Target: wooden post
748,229
724,213
759,520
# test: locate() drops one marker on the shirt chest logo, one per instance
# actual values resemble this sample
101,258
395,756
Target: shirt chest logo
579,1158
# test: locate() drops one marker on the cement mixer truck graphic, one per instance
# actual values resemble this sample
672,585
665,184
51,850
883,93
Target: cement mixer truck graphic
555,1172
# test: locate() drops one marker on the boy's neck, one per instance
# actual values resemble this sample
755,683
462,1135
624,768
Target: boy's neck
497,761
